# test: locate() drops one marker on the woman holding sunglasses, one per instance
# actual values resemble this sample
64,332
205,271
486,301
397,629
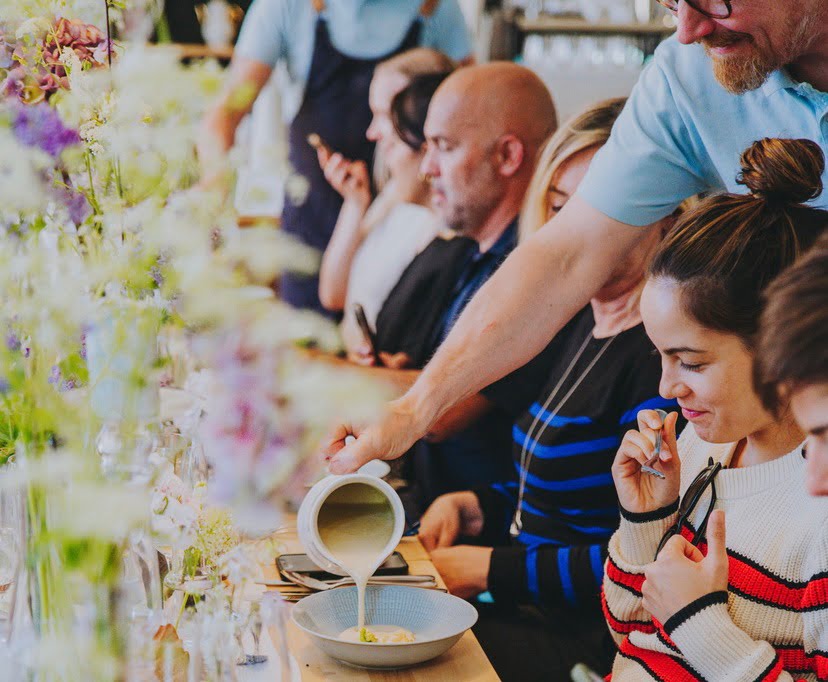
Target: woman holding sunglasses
752,605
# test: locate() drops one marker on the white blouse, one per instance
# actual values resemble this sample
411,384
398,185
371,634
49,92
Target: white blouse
380,261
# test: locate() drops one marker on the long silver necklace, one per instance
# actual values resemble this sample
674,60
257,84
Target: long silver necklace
527,454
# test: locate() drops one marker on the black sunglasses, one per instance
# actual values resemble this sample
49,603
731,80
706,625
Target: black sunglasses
689,502
714,9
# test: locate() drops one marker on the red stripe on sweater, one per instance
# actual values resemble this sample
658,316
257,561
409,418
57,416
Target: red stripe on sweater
795,658
623,627
667,668
774,672
757,584
633,581
751,582
664,637
661,666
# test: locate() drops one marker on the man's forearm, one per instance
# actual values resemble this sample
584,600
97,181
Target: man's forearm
217,133
539,288
511,319
216,136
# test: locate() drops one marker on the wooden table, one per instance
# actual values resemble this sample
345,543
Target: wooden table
464,662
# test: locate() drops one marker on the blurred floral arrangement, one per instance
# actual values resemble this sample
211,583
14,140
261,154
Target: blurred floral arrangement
108,244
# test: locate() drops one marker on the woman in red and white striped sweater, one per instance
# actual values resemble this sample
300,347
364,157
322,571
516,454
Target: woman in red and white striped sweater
751,602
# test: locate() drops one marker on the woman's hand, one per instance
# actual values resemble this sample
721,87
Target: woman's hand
349,178
464,569
449,517
682,574
639,492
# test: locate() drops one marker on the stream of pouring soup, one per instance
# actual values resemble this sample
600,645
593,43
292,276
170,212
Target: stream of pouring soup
355,524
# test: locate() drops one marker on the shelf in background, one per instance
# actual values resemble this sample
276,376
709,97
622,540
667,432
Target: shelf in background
574,25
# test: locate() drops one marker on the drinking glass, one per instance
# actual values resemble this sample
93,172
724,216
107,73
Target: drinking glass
195,470
9,570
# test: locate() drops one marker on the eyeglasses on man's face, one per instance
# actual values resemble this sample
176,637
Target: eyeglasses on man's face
714,9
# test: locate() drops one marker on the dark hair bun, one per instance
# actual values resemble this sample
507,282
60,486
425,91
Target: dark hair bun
783,171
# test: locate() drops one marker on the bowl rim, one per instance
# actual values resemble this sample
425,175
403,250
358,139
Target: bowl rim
374,645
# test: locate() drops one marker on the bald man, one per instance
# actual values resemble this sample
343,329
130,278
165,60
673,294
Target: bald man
484,128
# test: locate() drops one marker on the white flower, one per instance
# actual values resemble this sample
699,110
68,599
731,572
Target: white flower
239,564
173,522
266,252
35,27
22,189
106,511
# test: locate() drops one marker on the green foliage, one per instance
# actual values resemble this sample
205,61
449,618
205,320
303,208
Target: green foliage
192,561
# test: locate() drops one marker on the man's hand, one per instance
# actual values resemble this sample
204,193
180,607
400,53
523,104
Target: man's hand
465,569
682,574
449,517
392,436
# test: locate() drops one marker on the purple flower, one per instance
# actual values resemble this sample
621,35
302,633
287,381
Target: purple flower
54,376
13,85
101,53
40,126
157,276
76,204
4,386
12,341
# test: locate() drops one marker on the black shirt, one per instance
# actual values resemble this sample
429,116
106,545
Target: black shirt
570,508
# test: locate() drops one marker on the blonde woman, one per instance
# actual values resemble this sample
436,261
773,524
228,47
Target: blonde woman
563,162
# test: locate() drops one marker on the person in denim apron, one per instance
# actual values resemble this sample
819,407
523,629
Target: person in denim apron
334,103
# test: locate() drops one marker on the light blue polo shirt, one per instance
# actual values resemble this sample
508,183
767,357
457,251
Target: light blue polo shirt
283,30
682,133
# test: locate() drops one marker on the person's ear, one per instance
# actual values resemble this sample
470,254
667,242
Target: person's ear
667,223
510,153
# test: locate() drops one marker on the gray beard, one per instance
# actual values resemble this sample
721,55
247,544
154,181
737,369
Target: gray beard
739,76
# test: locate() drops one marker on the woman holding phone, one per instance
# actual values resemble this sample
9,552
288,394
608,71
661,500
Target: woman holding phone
685,598
374,241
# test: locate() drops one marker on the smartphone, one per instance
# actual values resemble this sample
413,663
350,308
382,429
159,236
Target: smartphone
300,563
367,332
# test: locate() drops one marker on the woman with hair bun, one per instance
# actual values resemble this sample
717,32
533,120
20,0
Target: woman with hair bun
684,599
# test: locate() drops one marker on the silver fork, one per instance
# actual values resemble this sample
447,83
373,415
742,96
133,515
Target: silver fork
314,584
647,467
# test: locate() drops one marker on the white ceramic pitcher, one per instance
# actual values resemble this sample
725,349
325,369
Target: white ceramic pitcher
307,520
